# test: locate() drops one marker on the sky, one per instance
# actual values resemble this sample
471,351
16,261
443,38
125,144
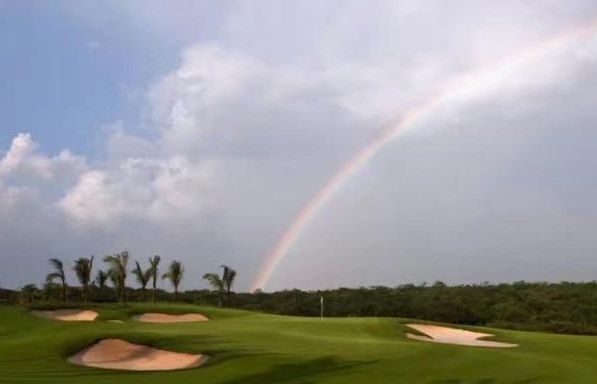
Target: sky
198,130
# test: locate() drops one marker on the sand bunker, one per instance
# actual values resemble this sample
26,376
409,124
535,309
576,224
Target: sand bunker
445,335
166,318
67,315
120,354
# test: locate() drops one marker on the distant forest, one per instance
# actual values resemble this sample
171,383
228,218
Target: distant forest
555,307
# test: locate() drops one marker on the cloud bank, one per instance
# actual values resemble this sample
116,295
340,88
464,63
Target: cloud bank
253,120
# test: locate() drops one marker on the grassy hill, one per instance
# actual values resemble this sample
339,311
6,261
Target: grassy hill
247,348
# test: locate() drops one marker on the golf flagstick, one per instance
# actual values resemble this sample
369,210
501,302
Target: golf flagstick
321,309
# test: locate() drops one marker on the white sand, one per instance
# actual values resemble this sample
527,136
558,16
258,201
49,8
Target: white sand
445,335
166,318
120,354
67,315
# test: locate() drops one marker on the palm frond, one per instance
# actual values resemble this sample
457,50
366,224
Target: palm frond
141,276
228,276
214,280
153,267
50,277
154,261
57,264
82,268
175,273
101,278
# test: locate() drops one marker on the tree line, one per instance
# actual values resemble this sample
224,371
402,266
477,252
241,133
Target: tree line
116,275
564,307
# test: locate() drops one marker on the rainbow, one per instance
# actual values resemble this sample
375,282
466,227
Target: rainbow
485,78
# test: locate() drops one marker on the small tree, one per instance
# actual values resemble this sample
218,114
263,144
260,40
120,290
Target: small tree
142,278
174,274
82,268
58,274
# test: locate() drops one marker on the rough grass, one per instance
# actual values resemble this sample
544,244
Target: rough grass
252,348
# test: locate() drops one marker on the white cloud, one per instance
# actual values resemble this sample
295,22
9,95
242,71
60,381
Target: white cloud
121,145
21,156
182,100
145,189
11,197
23,160
92,198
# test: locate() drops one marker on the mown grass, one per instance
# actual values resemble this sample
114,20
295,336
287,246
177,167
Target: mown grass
253,348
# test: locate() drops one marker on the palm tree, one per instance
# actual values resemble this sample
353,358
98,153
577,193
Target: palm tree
101,278
153,267
142,278
118,267
58,274
82,268
174,274
228,276
217,284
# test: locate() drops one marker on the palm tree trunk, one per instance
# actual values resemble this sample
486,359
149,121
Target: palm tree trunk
63,293
153,292
122,291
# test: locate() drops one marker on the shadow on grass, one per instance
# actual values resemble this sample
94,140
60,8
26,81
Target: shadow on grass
217,348
305,372
484,381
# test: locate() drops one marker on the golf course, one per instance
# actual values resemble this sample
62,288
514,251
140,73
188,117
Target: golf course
298,192
249,347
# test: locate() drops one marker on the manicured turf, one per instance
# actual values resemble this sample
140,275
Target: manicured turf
251,348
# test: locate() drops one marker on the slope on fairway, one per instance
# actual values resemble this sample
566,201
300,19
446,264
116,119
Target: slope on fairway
252,348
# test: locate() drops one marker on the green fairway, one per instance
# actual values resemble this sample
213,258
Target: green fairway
246,347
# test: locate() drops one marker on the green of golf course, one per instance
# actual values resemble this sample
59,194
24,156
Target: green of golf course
247,347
